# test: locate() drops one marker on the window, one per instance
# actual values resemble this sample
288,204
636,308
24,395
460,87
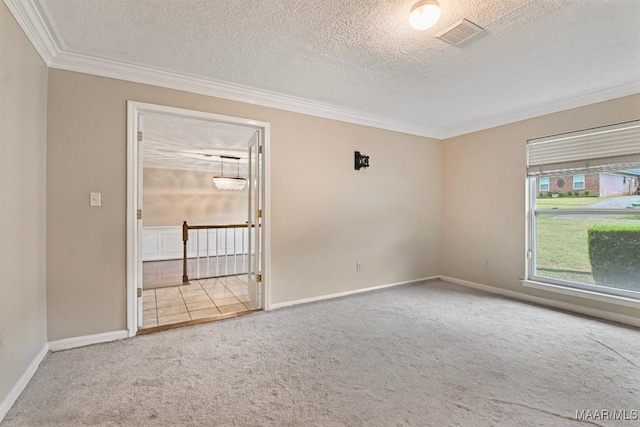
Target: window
579,242
544,184
578,182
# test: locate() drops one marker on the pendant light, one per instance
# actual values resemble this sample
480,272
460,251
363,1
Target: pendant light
229,182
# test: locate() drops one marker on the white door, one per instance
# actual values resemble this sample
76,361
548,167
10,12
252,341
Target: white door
139,216
255,221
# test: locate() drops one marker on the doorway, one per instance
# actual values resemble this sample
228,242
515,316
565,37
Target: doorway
197,247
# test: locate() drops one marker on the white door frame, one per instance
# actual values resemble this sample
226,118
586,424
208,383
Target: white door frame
135,108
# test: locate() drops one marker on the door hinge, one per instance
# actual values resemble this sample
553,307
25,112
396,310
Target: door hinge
139,136
259,277
139,213
529,254
260,149
139,292
259,213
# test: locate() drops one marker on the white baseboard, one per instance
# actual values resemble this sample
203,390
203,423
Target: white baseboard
343,294
593,312
59,345
15,391
85,340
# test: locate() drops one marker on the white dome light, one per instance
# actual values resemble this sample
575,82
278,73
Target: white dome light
424,14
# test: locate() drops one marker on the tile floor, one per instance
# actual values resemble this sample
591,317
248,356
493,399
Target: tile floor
206,298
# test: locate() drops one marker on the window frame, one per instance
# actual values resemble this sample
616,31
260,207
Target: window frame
551,283
584,181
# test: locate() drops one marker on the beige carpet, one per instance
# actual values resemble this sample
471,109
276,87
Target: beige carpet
431,354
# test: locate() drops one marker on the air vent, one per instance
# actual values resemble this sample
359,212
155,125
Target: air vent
459,32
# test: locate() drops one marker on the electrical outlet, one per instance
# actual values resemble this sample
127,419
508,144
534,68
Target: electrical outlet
95,199
486,263
358,267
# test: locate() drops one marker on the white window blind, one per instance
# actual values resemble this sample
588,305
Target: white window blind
607,148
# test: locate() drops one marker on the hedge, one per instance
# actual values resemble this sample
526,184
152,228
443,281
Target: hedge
614,252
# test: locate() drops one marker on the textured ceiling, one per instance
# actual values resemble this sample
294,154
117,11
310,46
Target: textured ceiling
363,55
172,142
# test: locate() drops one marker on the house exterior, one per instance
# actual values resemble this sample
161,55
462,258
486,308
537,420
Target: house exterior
597,184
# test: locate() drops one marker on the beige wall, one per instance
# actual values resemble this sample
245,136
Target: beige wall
484,197
421,200
23,115
172,196
325,216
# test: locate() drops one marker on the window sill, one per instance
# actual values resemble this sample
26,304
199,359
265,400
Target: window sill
582,293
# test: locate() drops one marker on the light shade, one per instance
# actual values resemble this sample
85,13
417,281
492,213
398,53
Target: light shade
229,183
424,14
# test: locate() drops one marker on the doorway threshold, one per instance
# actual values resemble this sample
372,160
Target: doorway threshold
195,322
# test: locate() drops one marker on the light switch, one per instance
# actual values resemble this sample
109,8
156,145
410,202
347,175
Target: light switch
96,199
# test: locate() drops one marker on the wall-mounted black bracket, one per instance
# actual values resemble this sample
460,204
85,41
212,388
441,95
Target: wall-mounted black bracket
361,161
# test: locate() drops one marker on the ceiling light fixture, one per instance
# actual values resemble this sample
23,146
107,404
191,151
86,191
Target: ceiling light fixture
229,182
424,14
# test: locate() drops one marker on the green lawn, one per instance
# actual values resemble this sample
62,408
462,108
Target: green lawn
563,251
566,202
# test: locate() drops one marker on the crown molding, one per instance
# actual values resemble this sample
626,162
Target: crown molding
33,24
34,18
103,67
537,110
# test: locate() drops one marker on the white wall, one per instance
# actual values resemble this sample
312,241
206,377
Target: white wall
173,196
23,116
